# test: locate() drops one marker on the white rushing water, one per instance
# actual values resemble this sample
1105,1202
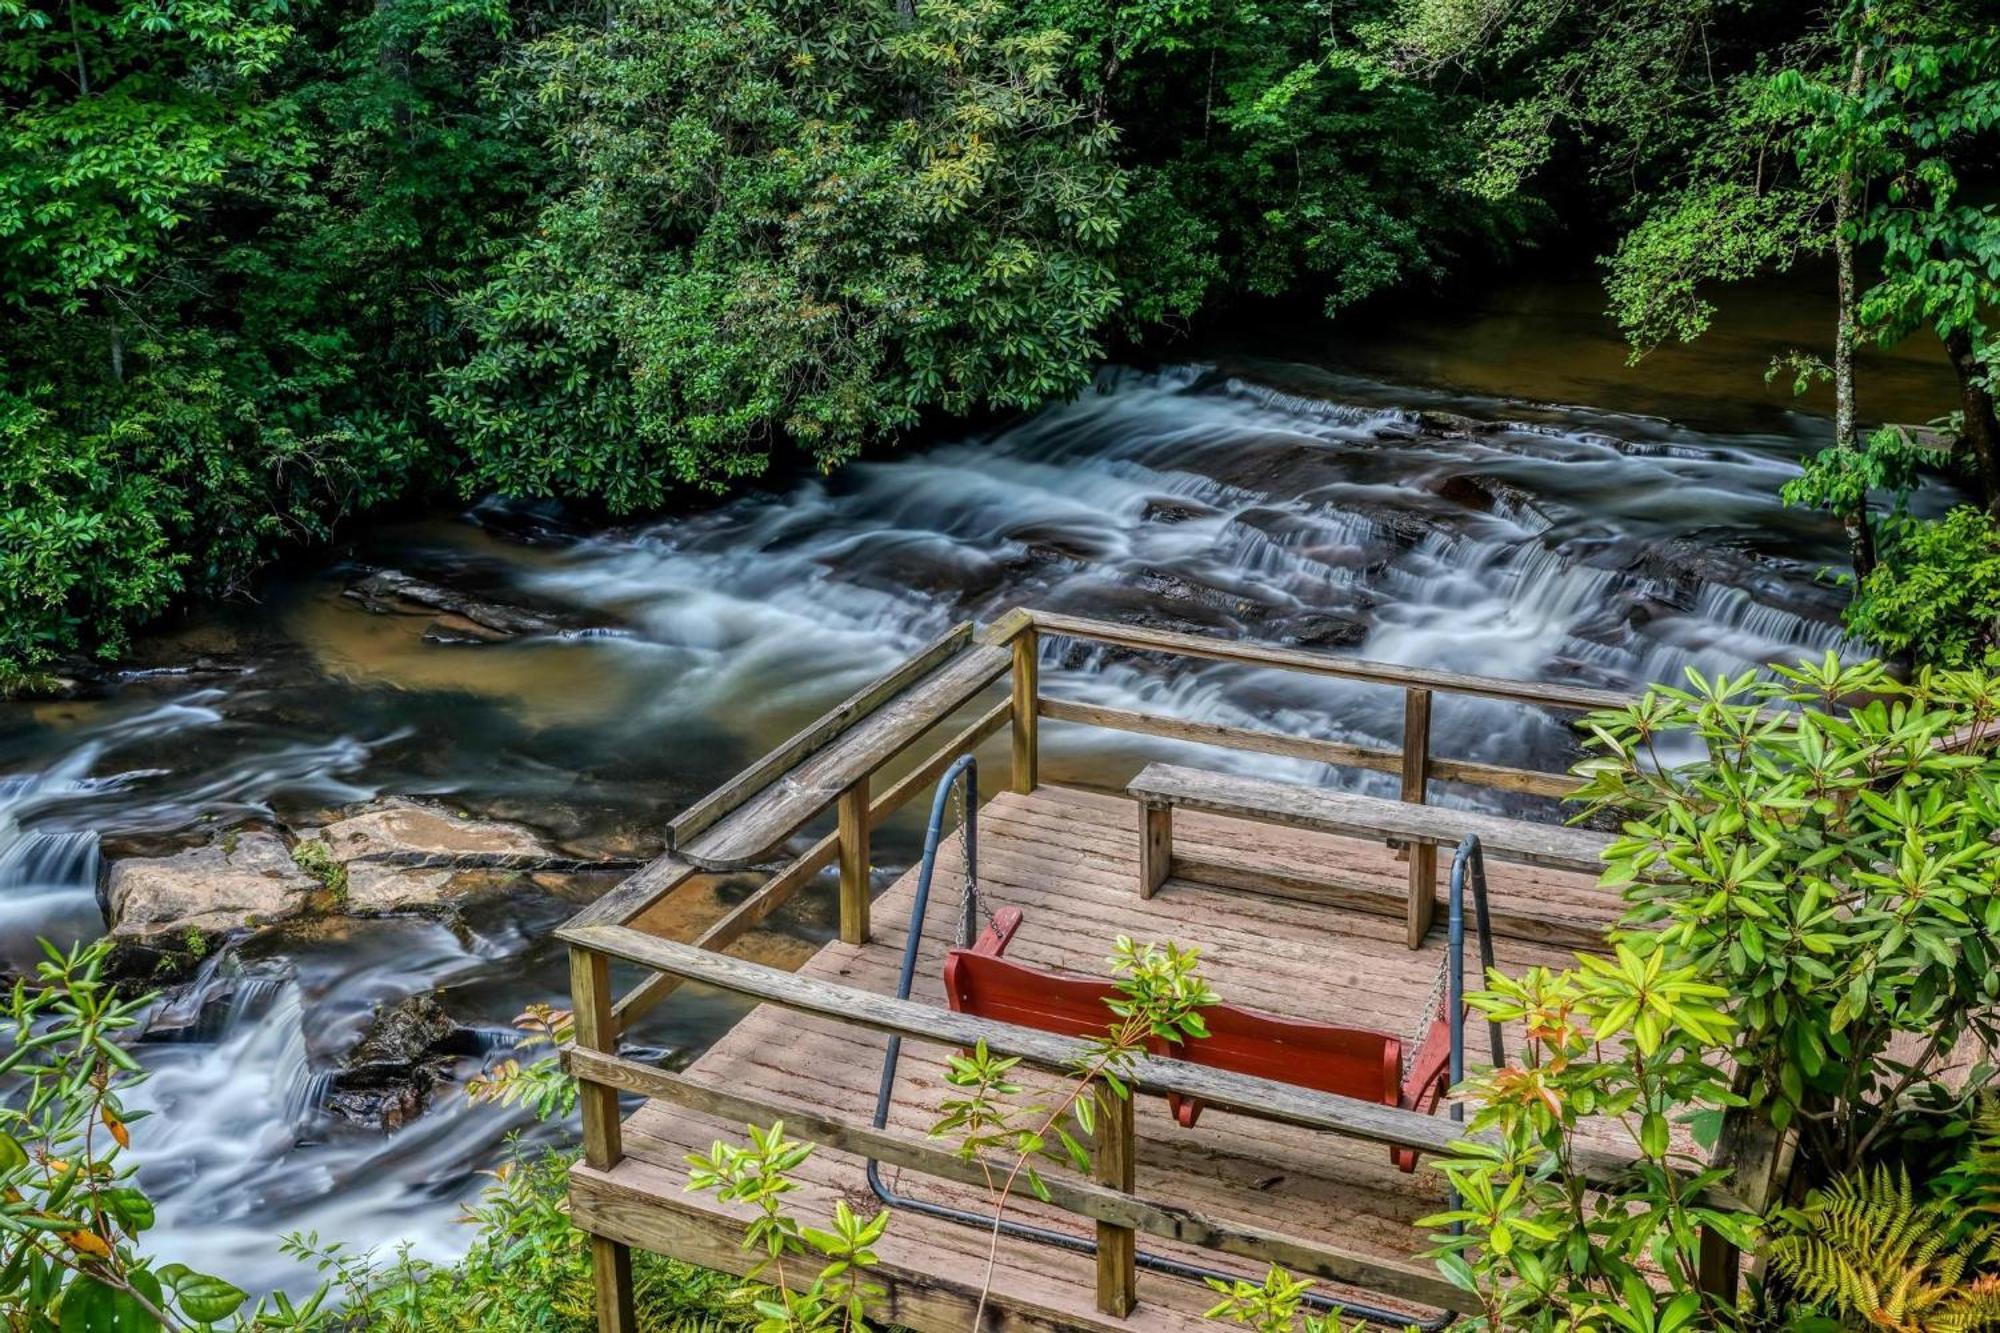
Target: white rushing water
1273,502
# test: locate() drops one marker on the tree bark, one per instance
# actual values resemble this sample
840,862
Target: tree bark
1979,432
1860,538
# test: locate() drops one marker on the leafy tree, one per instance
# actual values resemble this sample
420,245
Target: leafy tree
1744,138
793,221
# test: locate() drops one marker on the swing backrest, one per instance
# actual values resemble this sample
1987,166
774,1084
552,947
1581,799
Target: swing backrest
979,981
1351,1062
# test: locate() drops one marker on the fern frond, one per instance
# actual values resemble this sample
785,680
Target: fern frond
1866,1245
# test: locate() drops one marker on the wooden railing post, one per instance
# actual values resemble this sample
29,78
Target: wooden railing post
853,832
596,1030
1112,1161
1027,710
1416,789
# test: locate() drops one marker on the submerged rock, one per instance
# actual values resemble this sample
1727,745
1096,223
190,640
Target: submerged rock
462,617
408,1049
244,878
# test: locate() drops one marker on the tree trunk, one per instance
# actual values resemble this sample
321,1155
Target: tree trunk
1979,433
1846,436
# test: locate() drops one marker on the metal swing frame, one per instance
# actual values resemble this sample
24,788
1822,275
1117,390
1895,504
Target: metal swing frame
1468,866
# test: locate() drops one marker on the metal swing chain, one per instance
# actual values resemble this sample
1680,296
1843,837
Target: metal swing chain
968,898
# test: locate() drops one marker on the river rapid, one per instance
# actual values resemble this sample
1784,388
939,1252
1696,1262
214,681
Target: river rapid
1434,494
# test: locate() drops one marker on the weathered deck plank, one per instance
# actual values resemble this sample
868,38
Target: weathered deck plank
1068,860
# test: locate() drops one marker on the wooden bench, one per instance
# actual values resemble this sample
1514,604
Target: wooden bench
1162,787
1348,1062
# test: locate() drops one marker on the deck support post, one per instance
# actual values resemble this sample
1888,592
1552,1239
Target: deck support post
1112,1162
1156,847
596,1030
853,833
1416,789
1027,710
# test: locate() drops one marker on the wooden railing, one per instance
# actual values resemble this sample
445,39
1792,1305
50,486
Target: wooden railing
834,762
1412,760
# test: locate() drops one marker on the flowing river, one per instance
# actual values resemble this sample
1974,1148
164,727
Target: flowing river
1438,500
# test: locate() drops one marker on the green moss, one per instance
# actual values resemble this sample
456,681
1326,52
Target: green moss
311,855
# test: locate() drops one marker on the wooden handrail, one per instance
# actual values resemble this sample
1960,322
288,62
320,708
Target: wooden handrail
1573,697
741,919
1018,627
1172,1222
1344,1116
814,736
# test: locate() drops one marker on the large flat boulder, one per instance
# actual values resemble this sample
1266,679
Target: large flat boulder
411,857
245,878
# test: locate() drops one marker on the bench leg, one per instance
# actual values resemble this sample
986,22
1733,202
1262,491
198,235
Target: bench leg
1423,891
1156,847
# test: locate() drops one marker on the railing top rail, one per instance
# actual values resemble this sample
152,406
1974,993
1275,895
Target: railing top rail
1344,1116
1573,697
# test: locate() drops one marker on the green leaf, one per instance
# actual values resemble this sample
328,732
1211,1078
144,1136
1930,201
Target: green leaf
89,1306
205,1299
1653,1135
130,1206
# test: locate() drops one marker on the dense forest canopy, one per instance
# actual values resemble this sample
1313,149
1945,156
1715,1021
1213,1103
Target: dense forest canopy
269,266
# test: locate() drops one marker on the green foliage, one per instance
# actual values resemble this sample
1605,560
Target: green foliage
1634,1039
1828,865
313,856
71,1208
543,1086
760,1175
1868,1247
1819,883
807,221
528,1269
1936,595
1277,1305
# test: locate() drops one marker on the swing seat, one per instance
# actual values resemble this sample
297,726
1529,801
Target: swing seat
1349,1062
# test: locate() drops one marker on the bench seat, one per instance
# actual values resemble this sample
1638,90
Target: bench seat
1160,788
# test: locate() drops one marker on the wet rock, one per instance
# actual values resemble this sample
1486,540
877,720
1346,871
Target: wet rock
452,628
387,1079
1325,631
1174,509
1234,607
472,618
1059,541
1453,424
244,878
409,856
529,522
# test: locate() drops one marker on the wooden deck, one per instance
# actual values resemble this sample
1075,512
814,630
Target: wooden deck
1322,937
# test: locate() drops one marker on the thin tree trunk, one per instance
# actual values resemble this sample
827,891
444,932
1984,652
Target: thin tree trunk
1979,433
1860,538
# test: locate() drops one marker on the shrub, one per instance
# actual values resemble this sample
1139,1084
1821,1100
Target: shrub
1936,595
71,1210
1829,865
1817,882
